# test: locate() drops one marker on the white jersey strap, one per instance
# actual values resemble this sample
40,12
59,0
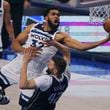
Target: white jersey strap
55,34
34,25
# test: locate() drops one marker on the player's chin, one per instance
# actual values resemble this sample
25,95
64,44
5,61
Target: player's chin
56,24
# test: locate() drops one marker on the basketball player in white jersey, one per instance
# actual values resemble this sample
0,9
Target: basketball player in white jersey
5,14
48,87
34,35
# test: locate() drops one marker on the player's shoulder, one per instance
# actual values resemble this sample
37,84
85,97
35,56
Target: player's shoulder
45,78
27,29
61,35
43,82
31,25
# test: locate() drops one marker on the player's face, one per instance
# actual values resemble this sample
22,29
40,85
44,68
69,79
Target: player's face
53,19
52,67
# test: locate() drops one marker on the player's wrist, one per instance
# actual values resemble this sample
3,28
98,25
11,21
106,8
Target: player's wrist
25,62
55,43
23,49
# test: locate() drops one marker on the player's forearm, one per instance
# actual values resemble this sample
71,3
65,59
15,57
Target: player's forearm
24,82
95,44
75,44
10,31
17,46
64,50
23,76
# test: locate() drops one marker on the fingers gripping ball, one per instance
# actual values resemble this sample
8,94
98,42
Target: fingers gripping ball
106,25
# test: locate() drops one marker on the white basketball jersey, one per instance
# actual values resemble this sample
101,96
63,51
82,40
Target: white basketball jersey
1,21
36,38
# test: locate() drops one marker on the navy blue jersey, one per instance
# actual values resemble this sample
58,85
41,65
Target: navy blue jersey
46,100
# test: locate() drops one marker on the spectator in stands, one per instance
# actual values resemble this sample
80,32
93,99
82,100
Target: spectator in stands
17,8
5,15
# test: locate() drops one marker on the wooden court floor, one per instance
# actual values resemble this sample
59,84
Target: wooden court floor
65,103
77,97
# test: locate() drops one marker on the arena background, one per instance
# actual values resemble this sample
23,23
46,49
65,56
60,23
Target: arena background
89,88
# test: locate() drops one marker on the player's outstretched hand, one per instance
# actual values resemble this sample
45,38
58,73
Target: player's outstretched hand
30,52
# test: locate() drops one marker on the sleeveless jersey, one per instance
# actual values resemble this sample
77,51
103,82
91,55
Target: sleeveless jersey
46,100
36,38
1,21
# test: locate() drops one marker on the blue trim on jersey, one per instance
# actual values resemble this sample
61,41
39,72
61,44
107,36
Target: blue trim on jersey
33,99
5,79
41,33
39,26
22,101
25,96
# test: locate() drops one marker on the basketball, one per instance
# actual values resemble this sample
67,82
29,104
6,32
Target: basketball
106,25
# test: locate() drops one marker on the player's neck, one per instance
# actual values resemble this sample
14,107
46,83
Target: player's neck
57,75
46,27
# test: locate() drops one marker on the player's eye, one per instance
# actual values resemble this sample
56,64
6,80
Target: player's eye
55,14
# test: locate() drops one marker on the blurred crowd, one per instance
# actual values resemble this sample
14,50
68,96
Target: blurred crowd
11,22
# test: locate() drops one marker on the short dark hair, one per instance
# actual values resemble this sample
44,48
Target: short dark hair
60,63
49,9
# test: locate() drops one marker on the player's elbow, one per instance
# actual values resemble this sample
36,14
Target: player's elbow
22,86
82,48
13,44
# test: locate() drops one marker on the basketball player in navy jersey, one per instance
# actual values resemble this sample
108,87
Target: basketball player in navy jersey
34,35
48,87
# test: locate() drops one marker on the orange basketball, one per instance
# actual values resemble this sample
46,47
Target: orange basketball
106,25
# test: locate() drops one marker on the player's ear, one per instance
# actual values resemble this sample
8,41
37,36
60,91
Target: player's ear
55,70
46,18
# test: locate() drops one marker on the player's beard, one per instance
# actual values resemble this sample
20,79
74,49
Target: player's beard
48,71
53,26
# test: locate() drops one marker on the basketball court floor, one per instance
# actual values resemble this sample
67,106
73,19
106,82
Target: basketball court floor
80,95
84,93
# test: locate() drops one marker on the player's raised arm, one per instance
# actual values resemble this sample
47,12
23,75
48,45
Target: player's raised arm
62,48
21,38
66,54
24,82
73,43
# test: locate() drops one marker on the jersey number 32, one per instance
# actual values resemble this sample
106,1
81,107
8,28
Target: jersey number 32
36,43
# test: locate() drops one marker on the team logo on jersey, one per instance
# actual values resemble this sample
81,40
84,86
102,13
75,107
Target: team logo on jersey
38,37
